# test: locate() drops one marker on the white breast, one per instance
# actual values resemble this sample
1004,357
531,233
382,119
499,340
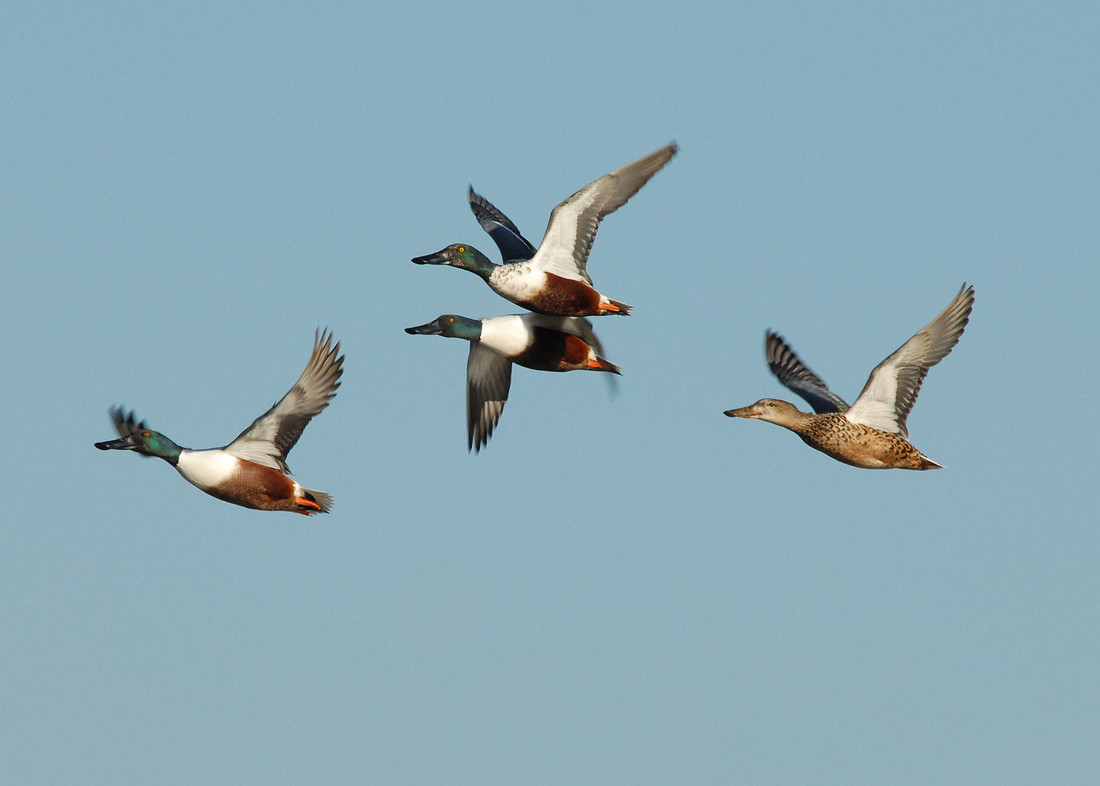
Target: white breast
507,335
206,468
518,280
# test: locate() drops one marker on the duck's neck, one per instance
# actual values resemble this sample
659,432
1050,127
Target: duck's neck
480,264
161,446
796,420
172,456
808,424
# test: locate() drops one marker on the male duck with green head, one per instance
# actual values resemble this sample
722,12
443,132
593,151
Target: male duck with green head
537,341
554,280
251,470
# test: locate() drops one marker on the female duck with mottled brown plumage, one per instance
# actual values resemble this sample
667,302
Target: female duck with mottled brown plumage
870,434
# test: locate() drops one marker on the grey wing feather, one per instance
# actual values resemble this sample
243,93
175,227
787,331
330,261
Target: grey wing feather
272,435
893,386
573,223
488,378
795,375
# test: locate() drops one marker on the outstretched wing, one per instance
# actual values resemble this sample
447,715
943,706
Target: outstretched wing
488,378
573,224
514,247
893,386
274,433
793,373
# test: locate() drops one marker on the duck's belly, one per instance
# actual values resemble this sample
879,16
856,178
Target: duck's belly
240,482
546,293
866,448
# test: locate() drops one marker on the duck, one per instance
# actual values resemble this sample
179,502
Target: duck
872,432
251,471
537,341
554,280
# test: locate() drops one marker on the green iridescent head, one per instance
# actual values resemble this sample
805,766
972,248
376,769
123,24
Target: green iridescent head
451,326
136,437
462,256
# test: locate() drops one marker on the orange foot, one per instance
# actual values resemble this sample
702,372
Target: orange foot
608,307
602,365
302,502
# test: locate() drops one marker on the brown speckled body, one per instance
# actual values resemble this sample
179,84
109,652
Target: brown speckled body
859,445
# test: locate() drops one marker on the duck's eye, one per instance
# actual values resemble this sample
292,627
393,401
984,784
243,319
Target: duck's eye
462,249
146,434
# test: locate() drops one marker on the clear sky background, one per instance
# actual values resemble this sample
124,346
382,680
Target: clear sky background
622,588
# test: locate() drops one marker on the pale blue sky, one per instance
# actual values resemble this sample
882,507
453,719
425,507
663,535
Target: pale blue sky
620,589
